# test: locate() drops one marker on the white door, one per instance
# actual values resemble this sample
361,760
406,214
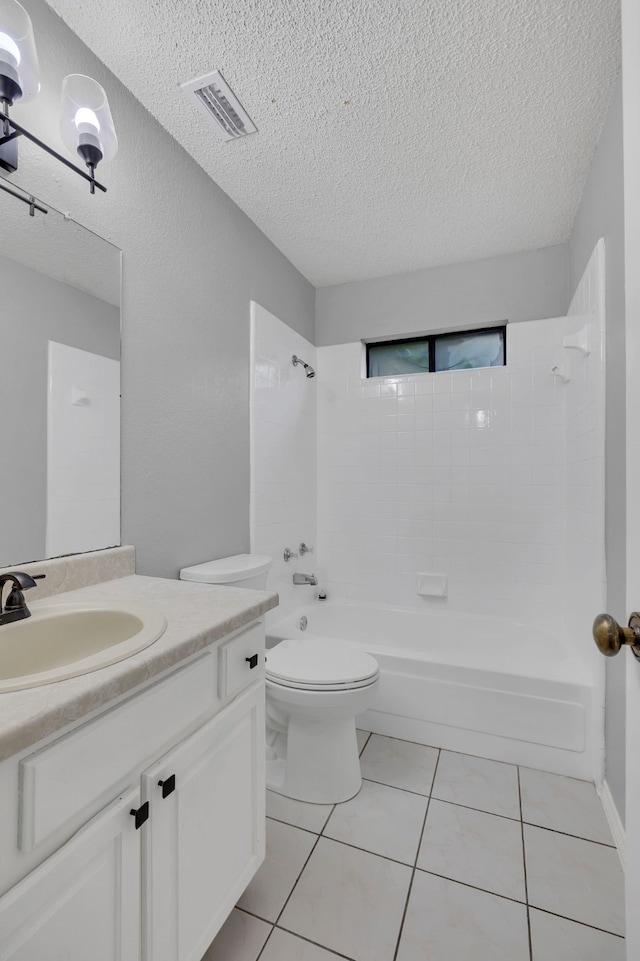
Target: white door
205,838
84,901
631,116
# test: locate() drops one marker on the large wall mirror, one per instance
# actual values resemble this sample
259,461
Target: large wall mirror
60,386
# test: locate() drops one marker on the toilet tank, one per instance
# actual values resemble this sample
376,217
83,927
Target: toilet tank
241,570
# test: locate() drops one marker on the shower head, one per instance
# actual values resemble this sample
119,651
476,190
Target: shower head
308,369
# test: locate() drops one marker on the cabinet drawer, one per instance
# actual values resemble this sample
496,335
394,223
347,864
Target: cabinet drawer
71,776
241,661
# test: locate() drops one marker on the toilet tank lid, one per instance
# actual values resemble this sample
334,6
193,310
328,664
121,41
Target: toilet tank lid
240,567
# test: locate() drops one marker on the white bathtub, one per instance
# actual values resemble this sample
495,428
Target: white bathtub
480,685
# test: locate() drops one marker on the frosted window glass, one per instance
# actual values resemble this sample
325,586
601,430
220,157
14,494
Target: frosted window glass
408,357
468,350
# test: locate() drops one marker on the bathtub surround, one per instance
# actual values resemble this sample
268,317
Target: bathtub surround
462,473
283,454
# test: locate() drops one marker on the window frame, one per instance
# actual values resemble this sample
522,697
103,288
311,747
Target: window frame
430,340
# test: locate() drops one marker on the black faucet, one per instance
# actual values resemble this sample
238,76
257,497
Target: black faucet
16,608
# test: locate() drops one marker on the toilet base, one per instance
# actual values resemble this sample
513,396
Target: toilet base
314,742
322,766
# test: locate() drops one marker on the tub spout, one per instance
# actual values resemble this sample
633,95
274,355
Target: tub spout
305,579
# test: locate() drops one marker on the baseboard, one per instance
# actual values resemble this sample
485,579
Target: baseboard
615,822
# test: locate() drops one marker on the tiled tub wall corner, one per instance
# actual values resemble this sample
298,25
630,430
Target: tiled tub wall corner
283,454
461,473
585,413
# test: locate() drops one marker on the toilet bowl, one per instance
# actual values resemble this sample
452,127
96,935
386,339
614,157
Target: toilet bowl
315,688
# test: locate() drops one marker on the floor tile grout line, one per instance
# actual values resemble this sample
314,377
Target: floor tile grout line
446,750
435,874
324,826
583,924
479,757
268,938
414,867
290,824
317,944
295,883
474,887
494,814
252,914
467,807
407,790
375,854
415,863
524,867
566,834
403,740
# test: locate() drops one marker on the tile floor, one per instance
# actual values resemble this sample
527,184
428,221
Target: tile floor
440,857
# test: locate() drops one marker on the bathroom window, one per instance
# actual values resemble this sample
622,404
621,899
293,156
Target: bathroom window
456,350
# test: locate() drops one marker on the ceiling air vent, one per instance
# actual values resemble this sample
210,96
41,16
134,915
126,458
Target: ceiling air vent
217,101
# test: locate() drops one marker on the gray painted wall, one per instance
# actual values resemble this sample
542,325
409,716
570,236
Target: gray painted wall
601,214
523,286
192,261
35,310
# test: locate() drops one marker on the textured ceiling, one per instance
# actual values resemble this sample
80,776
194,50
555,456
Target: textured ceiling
392,135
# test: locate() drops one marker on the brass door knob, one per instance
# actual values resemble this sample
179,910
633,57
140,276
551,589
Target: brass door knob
610,637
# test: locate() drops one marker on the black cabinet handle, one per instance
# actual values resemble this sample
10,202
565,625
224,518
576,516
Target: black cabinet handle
141,814
168,785
252,661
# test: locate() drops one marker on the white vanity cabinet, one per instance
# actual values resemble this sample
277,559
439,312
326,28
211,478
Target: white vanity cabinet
187,753
196,866
84,901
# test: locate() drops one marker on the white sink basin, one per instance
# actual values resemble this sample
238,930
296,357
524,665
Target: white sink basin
65,640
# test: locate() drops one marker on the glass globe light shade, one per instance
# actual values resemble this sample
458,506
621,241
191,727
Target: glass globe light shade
86,124
19,70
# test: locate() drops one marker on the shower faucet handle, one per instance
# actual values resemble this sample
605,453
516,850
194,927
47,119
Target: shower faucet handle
287,554
304,549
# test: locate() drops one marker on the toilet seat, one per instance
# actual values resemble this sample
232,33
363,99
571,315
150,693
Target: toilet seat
320,664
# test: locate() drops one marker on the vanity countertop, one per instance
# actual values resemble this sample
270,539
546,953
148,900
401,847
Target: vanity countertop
196,614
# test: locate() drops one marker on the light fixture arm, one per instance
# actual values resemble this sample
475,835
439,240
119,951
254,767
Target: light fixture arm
12,130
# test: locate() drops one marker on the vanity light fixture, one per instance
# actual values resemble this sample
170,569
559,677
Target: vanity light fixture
86,124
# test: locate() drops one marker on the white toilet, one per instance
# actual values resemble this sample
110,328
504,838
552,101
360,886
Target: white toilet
315,688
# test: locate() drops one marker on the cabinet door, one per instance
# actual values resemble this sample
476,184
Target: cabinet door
84,901
205,839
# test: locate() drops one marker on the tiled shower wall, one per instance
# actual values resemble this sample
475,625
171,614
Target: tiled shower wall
283,454
466,473
492,477
456,473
